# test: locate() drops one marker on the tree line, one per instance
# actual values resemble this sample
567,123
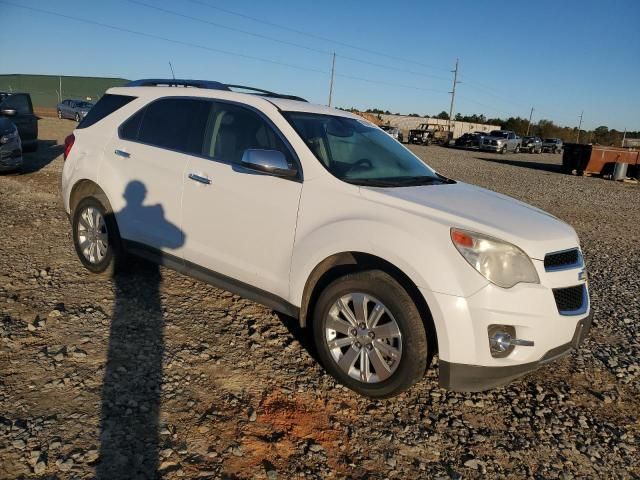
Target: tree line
601,135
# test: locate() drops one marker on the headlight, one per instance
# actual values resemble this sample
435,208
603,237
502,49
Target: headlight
8,137
499,262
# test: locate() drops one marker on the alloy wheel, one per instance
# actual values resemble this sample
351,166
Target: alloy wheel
93,238
363,337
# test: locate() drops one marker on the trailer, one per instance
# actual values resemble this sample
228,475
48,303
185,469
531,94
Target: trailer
598,159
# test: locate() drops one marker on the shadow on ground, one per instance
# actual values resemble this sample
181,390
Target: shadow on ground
47,152
131,392
548,167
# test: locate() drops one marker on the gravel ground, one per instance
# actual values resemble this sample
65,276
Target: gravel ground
154,374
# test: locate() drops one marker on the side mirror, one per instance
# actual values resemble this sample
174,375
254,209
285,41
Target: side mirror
268,161
9,112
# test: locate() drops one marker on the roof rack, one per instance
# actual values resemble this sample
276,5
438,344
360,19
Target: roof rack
266,93
173,82
208,84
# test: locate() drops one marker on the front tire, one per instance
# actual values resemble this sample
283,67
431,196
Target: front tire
78,117
369,334
95,236
59,114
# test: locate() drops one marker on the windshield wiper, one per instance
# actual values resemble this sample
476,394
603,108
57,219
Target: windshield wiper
420,180
371,182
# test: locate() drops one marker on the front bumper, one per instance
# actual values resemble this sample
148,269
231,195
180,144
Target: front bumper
10,156
476,378
491,148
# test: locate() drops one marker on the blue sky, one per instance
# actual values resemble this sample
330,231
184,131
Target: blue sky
561,57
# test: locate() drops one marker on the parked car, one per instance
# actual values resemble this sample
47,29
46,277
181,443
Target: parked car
393,131
74,109
470,139
531,144
501,141
18,108
10,146
319,214
553,145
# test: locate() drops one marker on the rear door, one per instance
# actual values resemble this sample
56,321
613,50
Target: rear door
240,223
145,166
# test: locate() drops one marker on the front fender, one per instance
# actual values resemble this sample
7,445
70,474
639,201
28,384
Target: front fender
427,257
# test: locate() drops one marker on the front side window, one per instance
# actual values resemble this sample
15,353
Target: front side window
358,152
234,129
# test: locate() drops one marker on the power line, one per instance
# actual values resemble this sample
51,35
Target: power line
164,39
204,47
315,36
281,41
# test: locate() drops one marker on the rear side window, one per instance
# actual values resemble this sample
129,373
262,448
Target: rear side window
175,124
106,106
129,130
19,102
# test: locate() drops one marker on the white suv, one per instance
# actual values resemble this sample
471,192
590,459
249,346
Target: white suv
319,214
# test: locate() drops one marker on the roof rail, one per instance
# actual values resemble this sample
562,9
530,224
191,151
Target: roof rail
208,84
173,82
266,93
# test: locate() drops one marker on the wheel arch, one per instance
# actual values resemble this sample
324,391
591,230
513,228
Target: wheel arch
343,263
85,188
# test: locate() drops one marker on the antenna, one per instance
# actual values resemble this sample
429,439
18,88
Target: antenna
171,67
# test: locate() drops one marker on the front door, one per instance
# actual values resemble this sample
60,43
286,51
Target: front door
240,223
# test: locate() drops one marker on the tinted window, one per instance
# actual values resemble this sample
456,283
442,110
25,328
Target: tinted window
106,106
129,130
19,102
234,129
176,124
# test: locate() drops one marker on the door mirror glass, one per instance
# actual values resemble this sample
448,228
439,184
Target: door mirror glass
268,161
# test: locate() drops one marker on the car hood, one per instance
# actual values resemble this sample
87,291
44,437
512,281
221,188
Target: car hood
484,211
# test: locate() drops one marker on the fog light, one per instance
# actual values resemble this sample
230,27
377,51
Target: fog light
502,340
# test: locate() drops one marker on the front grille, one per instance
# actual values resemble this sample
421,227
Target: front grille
563,260
571,300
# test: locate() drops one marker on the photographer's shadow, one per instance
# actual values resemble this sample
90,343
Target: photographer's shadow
129,428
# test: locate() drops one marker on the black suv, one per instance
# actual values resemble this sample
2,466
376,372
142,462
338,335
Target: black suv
18,108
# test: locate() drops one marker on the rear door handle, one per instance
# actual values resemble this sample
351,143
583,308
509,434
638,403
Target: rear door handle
199,178
122,153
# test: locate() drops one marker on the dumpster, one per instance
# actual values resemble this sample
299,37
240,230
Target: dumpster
598,159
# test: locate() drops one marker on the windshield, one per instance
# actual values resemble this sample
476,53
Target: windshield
84,104
499,133
358,152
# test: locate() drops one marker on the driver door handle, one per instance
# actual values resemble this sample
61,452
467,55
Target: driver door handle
122,153
199,178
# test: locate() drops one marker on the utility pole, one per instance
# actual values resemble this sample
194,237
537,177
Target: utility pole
624,136
60,90
529,124
579,127
453,95
333,71
172,74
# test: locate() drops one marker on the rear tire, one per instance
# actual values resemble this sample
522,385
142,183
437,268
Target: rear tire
517,149
78,117
59,114
378,352
95,236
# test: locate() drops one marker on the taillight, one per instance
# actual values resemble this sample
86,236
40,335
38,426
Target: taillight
68,143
